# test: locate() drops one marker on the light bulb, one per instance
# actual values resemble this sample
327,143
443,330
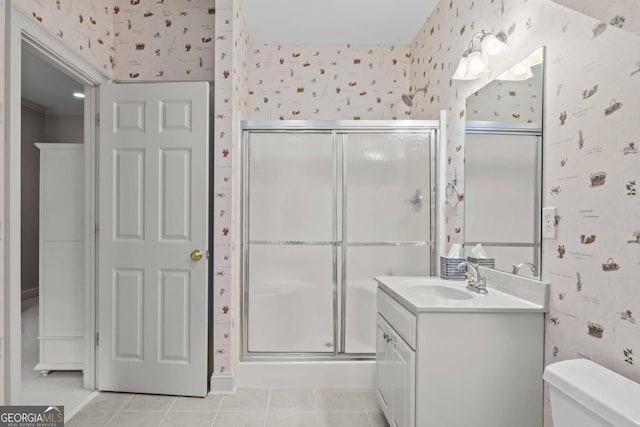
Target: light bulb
461,71
476,65
494,48
517,73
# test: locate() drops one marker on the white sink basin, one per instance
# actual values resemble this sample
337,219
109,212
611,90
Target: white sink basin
507,293
439,291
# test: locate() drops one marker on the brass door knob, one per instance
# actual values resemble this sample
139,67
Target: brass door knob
196,255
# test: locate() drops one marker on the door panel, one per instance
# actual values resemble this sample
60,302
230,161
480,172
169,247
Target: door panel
290,305
175,189
174,313
403,383
129,197
383,173
291,183
128,315
383,361
153,198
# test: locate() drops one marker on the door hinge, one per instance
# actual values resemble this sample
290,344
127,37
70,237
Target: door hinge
98,119
97,231
97,339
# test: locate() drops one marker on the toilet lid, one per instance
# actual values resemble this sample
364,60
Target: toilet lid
612,396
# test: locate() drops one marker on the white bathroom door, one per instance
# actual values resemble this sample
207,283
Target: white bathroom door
153,203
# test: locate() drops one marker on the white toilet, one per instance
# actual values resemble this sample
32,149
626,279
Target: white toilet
586,394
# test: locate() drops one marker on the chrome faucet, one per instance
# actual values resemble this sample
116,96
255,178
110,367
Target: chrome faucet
517,267
477,283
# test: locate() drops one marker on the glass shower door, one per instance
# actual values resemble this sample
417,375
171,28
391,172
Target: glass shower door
290,251
387,225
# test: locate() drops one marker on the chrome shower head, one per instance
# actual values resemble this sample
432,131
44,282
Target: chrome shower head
408,99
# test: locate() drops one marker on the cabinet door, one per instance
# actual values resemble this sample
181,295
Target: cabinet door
403,385
383,362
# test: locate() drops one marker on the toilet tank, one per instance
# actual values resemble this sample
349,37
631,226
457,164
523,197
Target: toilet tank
586,394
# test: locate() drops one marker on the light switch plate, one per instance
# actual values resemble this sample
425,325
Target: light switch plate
549,226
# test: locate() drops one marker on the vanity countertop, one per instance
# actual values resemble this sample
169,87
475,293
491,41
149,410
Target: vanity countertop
507,293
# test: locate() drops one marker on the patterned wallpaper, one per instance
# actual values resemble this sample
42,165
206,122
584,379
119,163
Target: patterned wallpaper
86,26
508,101
163,40
328,82
134,39
591,162
620,13
591,159
231,48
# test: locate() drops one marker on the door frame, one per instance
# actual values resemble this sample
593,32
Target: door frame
22,28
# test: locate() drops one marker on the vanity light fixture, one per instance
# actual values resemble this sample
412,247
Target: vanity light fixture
517,73
523,69
479,57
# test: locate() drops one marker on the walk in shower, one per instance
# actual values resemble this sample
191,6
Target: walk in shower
326,207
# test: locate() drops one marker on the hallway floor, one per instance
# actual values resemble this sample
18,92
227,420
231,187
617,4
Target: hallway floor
246,408
59,387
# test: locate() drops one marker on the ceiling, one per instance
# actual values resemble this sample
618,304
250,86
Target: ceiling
48,87
359,22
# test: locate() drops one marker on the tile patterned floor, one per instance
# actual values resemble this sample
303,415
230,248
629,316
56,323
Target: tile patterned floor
246,408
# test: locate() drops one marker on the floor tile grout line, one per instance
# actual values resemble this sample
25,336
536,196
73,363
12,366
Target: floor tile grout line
266,416
369,418
215,415
115,414
118,411
366,408
316,393
175,399
125,402
315,405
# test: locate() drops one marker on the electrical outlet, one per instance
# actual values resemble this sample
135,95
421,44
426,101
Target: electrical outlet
549,223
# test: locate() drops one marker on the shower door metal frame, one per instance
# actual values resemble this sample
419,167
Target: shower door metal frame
337,129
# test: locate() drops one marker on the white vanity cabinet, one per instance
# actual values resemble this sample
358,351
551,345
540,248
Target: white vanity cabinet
61,253
459,363
395,368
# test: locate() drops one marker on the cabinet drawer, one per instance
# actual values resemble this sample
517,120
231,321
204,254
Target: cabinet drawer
398,317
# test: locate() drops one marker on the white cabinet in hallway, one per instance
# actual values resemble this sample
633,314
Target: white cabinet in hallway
61,283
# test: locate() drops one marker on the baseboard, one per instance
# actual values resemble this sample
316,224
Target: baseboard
222,384
347,374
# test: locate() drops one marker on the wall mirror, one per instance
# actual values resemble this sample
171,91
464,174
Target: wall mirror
503,168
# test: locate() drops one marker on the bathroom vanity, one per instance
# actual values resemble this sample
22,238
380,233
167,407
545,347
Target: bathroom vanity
447,356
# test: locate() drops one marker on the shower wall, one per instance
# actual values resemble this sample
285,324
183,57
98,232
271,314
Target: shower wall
325,212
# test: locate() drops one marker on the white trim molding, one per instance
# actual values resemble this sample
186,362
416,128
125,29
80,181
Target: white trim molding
222,384
22,30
